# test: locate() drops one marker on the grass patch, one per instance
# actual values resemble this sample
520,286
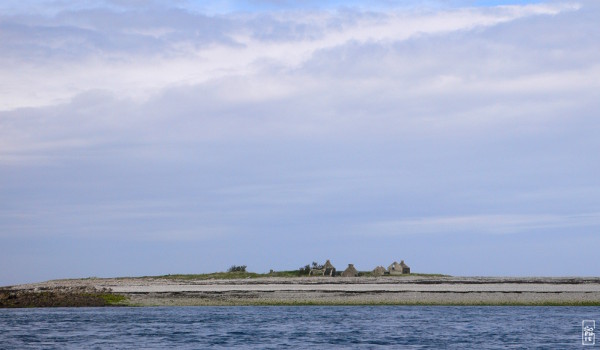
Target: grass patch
291,273
214,275
113,299
283,274
233,275
422,275
370,274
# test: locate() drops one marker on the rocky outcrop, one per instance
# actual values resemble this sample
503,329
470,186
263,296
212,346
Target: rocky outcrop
58,297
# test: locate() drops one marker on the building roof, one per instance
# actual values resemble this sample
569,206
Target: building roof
350,271
379,270
328,265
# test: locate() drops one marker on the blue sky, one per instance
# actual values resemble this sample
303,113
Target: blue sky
254,6
149,137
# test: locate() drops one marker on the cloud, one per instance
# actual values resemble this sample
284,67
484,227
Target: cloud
163,122
482,224
347,64
137,53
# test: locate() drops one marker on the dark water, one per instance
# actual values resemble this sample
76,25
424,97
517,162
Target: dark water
394,327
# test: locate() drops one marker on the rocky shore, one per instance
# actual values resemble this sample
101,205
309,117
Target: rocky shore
384,290
57,296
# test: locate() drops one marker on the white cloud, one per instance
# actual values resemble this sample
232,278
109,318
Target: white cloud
484,224
327,119
369,131
139,57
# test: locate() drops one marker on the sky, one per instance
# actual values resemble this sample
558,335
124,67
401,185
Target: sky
158,137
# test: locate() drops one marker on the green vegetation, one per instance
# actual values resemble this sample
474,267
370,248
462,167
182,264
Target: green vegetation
304,271
57,298
370,274
301,272
290,273
113,299
214,275
235,268
240,272
233,275
427,275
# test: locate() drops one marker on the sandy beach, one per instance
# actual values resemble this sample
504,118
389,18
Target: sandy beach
411,290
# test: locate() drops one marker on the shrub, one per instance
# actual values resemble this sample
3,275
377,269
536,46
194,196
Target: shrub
235,268
305,270
316,266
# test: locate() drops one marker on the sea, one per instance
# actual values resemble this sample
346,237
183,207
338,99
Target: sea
298,327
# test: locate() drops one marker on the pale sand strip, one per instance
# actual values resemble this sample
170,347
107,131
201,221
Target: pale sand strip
320,298
360,288
347,291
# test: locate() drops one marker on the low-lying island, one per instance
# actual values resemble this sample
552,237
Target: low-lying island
183,290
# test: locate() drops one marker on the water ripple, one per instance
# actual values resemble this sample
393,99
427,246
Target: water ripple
326,327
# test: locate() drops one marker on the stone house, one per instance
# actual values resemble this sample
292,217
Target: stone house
327,270
350,271
399,268
378,271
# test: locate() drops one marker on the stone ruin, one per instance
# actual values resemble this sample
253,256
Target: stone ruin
379,271
350,271
398,268
327,270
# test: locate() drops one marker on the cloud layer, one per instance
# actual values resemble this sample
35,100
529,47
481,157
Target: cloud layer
360,128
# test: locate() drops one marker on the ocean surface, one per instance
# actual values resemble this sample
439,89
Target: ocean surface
314,327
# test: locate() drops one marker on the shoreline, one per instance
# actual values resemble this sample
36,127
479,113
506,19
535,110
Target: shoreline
385,290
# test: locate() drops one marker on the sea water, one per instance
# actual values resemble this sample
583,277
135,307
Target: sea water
279,327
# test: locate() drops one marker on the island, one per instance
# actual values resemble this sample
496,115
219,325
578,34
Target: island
319,285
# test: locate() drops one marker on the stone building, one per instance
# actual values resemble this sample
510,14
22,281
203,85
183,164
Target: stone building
399,268
327,270
350,271
378,271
